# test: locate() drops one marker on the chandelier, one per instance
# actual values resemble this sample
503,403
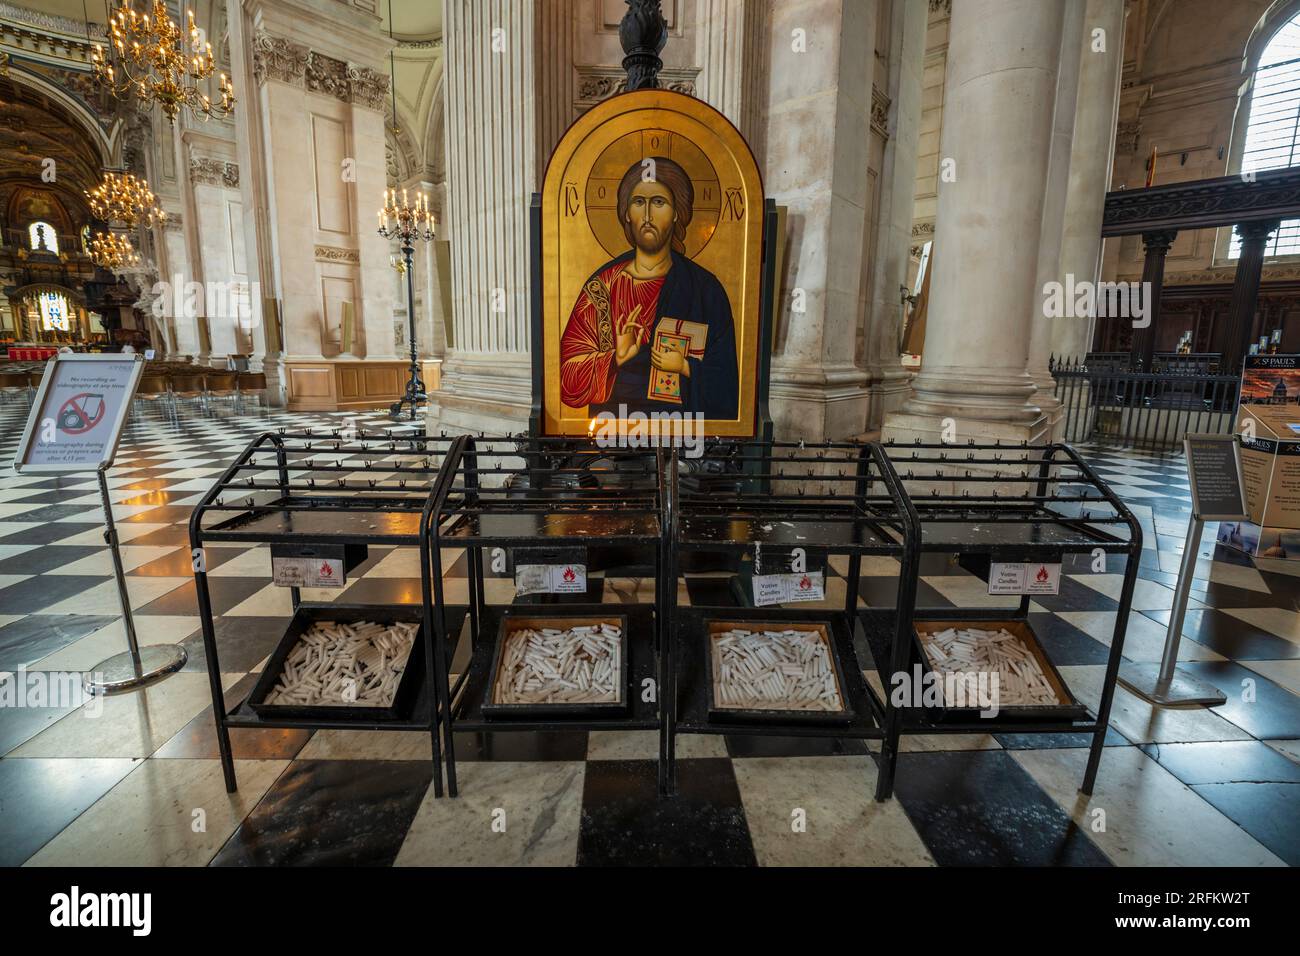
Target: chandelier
125,198
112,250
404,222
160,63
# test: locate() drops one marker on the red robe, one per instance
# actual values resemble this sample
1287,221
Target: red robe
588,367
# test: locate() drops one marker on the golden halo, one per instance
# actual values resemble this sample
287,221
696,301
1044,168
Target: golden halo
613,162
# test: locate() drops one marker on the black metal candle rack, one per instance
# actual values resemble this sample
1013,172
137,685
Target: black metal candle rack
329,494
648,514
1010,503
832,499
516,501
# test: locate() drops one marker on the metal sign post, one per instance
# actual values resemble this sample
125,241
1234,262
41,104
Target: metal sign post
75,424
1218,494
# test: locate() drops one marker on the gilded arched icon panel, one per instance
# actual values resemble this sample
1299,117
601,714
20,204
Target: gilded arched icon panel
651,230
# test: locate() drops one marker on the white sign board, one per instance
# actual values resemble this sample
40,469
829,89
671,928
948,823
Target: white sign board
308,572
79,412
551,579
789,588
1024,578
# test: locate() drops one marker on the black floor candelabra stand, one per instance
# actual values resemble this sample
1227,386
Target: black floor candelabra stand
406,223
415,396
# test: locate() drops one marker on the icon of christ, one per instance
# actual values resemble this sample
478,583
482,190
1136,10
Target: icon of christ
651,330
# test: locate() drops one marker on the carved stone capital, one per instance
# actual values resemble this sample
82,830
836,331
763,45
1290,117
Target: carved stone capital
1158,243
326,75
367,87
205,171
597,83
1256,232
275,58
1126,135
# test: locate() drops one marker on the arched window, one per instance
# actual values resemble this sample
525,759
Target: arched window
43,237
1273,134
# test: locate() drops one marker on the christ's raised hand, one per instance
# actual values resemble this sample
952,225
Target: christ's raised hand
628,340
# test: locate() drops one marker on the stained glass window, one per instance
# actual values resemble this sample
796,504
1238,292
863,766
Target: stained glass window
54,312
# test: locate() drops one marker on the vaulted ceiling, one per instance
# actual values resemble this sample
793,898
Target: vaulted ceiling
413,19
34,128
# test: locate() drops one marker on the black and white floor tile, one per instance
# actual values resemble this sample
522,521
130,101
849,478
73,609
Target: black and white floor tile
122,780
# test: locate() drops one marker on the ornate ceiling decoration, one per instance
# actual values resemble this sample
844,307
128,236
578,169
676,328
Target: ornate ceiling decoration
42,146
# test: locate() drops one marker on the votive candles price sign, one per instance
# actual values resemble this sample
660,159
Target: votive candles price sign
79,412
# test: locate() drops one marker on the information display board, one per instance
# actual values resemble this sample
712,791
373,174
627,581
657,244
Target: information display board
1214,472
79,412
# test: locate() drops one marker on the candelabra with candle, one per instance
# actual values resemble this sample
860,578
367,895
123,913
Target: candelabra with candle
408,224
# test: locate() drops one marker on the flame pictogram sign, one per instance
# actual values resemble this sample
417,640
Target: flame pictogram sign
569,576
1042,574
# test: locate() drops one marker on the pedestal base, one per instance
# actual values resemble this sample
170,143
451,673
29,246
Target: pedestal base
1144,680
117,674
907,427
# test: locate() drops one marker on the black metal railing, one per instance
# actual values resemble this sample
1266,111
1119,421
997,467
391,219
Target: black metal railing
1105,403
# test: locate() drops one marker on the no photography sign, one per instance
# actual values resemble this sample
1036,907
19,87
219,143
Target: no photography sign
79,412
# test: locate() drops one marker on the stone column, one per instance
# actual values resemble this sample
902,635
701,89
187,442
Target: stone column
191,322
894,227
1054,200
321,81
213,182
819,116
730,41
260,263
375,289
491,173
996,145
1245,292
1157,245
1092,157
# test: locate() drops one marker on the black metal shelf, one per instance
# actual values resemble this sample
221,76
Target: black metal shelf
474,688
331,488
917,721
518,492
834,498
1012,502
1051,502
694,693
419,717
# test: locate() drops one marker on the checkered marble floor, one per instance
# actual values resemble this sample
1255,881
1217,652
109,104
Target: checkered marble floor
134,779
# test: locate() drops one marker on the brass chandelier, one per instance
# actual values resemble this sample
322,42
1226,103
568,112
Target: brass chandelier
112,250
160,63
125,198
